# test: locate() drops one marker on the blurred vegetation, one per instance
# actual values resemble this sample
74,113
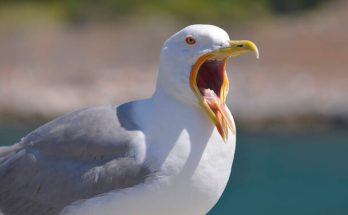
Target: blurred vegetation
181,10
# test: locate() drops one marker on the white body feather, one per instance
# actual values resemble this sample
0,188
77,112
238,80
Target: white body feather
193,164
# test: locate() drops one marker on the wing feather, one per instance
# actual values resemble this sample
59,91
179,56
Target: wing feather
77,156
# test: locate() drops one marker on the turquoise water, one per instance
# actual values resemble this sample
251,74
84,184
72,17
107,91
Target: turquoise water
278,173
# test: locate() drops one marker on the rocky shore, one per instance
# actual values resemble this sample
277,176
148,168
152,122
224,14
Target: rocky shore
300,81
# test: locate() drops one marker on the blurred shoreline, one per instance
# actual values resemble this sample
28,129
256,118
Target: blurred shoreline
299,82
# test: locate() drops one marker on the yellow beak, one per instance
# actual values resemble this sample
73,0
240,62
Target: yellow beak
214,102
238,47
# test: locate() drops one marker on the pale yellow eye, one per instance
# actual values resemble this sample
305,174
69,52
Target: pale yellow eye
190,40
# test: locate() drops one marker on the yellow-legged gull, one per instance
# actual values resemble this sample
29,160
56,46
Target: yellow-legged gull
170,154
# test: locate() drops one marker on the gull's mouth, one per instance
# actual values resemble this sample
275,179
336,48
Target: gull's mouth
210,85
209,82
210,77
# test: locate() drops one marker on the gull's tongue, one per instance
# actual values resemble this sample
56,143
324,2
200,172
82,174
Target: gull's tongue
219,109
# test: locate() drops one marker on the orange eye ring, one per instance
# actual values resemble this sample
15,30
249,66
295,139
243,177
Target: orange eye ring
190,40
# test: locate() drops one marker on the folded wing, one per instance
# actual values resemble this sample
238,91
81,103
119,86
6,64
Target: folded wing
77,156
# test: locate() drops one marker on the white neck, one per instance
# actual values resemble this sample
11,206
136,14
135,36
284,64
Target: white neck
171,120
174,113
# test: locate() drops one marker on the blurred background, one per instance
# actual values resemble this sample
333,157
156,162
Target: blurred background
290,107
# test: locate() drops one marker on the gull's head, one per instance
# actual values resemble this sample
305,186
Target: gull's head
192,69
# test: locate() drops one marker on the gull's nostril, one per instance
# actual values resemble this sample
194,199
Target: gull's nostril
240,46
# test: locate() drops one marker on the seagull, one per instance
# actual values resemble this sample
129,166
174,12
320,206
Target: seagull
168,154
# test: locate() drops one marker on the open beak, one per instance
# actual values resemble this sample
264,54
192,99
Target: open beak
209,82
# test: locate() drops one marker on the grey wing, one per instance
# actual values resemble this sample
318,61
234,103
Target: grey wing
77,156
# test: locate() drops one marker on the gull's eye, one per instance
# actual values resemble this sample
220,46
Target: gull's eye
190,40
